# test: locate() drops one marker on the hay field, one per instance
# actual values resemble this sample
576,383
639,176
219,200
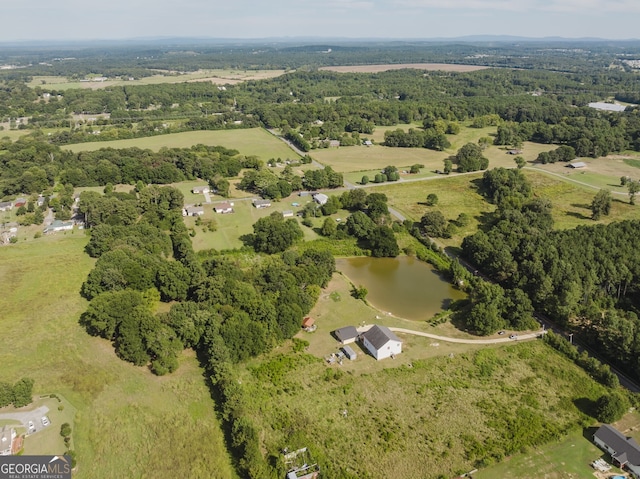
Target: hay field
445,67
216,76
128,421
250,141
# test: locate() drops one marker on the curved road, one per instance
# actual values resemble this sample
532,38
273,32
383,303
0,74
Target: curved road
523,337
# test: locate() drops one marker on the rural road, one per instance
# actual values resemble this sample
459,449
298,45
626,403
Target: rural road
522,337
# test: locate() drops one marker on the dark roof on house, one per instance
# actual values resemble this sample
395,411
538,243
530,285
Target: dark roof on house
626,450
378,336
348,332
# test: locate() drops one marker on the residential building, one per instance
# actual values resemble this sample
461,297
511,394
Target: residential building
198,190
381,342
7,437
624,451
223,208
58,225
261,204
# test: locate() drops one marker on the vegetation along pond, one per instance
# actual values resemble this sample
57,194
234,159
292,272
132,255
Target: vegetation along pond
403,286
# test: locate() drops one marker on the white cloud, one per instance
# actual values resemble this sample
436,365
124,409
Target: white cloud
600,7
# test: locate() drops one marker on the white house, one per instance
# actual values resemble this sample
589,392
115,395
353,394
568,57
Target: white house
624,451
7,436
261,204
223,208
193,211
381,342
320,198
58,225
6,206
198,190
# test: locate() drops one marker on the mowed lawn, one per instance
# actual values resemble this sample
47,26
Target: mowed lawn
217,76
364,160
249,141
128,421
233,226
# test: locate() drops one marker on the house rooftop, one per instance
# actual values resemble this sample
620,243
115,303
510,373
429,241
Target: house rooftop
346,333
626,450
378,336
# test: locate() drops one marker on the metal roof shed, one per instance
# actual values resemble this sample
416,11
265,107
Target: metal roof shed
350,353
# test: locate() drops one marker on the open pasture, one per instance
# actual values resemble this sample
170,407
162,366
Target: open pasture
250,141
217,77
445,67
414,418
128,421
232,226
253,141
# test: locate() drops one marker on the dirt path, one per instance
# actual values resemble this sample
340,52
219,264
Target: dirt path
523,337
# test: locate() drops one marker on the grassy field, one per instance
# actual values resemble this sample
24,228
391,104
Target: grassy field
459,194
230,227
220,77
413,418
365,159
252,141
128,422
566,459
456,194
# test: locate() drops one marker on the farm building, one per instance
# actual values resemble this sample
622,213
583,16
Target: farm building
287,214
193,211
577,164
514,152
320,198
224,207
381,342
19,202
624,451
368,143
198,190
58,225
346,335
6,206
309,324
259,204
350,353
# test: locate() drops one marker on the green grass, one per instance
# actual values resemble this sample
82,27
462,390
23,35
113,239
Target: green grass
456,194
128,422
218,76
632,162
414,418
232,226
565,459
376,157
252,141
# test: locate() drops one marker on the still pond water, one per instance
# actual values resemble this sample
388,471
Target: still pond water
403,286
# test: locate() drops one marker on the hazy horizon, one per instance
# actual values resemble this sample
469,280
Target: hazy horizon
73,20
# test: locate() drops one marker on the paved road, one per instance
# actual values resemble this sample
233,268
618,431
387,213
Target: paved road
35,415
520,337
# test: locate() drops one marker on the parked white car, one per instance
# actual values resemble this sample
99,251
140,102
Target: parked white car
45,421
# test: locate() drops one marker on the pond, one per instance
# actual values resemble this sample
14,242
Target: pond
405,286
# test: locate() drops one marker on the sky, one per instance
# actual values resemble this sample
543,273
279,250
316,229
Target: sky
124,19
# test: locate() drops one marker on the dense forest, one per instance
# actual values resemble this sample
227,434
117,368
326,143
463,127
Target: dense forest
587,278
